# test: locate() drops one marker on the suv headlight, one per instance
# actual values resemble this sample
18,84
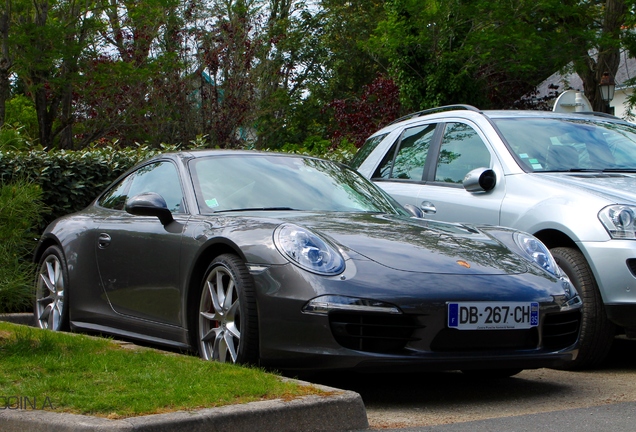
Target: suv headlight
537,252
307,250
618,220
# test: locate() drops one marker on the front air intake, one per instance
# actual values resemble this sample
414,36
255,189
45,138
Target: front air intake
561,330
378,333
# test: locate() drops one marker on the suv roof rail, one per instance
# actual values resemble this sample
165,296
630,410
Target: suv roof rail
435,110
600,114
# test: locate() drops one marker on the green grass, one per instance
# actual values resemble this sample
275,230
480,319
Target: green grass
95,376
20,212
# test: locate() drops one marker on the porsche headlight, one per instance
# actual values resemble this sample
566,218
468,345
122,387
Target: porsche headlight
307,250
537,252
618,220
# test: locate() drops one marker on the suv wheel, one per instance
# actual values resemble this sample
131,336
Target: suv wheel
597,332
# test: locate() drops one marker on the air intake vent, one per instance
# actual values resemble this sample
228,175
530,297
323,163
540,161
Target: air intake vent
561,330
373,332
631,264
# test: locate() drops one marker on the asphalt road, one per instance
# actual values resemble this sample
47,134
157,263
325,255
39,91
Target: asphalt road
543,399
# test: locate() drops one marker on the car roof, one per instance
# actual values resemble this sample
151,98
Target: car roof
468,111
549,114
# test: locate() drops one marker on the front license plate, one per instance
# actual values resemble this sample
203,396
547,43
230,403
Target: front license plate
493,315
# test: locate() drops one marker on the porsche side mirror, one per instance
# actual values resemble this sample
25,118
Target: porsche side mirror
150,204
480,180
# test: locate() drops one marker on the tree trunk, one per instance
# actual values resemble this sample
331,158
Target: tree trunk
608,56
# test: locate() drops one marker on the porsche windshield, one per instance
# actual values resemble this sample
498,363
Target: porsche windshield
279,182
546,144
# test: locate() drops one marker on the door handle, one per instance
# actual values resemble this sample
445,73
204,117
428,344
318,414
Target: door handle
428,207
103,241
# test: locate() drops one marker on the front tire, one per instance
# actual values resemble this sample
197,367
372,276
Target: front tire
228,319
597,331
51,291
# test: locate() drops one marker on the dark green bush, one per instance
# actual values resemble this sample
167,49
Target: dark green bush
20,206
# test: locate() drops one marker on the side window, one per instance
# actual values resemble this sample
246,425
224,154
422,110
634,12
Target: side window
462,151
412,150
116,197
162,178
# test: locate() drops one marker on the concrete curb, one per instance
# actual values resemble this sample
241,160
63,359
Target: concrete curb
341,410
19,318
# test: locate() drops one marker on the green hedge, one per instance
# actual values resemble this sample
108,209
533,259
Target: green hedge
70,180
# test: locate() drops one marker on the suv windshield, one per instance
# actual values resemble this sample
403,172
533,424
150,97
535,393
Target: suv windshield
275,182
550,144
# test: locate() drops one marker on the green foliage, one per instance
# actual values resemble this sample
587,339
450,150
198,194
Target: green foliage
348,61
322,148
20,208
14,137
481,52
20,124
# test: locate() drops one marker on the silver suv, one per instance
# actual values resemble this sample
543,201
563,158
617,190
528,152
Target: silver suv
569,179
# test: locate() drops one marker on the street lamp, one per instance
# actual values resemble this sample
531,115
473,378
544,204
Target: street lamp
607,87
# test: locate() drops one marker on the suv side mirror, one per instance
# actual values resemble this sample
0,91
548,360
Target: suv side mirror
414,211
150,204
480,180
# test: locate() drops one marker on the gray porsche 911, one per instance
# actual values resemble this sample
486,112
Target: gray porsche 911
298,263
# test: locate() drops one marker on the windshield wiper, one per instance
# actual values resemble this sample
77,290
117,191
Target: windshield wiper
568,170
256,209
631,170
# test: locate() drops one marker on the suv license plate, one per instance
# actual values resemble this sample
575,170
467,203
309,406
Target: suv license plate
493,315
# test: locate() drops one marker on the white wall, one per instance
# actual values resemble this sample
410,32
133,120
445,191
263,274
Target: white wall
619,103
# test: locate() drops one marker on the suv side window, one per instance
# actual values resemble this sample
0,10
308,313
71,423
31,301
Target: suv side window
159,177
366,150
406,159
462,151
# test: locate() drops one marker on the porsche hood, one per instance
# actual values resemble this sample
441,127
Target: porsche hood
418,245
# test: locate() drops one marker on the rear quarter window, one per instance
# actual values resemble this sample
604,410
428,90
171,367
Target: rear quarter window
366,149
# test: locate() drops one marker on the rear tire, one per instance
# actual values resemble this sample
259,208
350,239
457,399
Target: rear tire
597,331
227,323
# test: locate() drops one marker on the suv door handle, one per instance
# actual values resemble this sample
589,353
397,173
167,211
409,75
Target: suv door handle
428,207
103,241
